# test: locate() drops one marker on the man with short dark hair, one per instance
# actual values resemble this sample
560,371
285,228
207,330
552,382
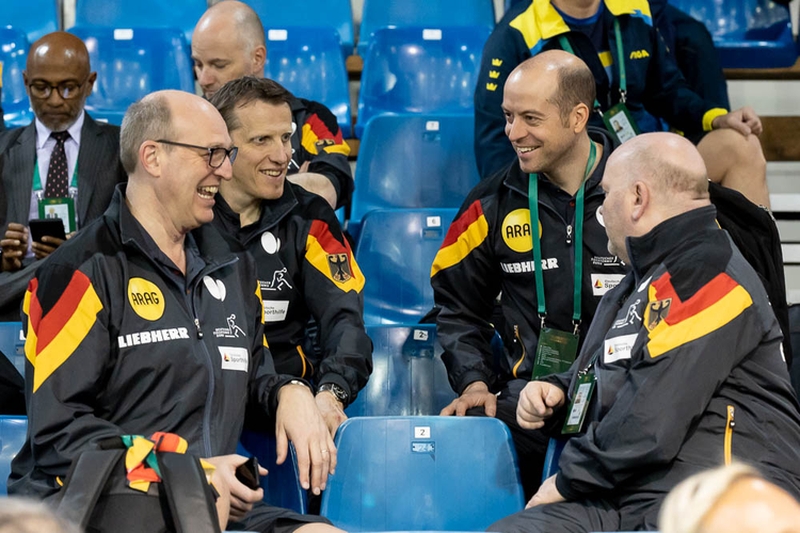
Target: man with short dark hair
551,273
682,368
305,266
228,43
146,321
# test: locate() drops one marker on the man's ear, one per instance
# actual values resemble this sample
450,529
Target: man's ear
149,158
641,200
259,58
579,117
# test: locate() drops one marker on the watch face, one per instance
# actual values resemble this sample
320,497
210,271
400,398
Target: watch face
337,391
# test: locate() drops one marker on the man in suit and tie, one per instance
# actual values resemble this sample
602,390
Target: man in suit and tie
63,160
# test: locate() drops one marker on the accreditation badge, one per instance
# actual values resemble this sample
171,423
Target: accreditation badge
555,352
579,405
620,123
63,208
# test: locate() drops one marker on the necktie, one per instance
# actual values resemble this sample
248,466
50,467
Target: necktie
57,185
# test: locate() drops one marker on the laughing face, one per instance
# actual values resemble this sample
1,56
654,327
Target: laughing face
265,150
533,123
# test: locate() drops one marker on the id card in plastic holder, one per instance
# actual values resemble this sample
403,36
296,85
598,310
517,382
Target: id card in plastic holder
63,208
555,352
620,123
579,405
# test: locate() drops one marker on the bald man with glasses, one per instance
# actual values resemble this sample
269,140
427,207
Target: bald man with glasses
63,162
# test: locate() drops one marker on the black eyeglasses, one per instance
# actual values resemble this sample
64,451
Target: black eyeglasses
216,155
66,89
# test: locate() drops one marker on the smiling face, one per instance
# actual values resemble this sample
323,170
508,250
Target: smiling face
265,150
533,122
188,184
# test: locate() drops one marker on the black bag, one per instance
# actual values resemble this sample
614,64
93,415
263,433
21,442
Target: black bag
755,233
97,498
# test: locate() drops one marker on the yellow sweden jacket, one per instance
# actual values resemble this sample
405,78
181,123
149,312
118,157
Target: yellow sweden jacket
488,249
306,269
115,346
654,82
690,373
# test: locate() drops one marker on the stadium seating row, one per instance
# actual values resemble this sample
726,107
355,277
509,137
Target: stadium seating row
420,56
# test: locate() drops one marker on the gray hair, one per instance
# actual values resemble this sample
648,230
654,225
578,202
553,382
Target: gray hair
149,119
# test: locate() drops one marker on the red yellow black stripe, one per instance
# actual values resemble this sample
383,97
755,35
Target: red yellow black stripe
466,233
333,258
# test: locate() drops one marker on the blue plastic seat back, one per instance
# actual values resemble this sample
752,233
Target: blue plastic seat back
308,62
379,14
131,63
12,344
282,484
12,437
334,14
35,18
416,70
554,448
13,55
395,251
422,473
747,33
182,14
409,375
413,161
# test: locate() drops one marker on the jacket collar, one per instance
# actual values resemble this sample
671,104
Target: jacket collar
272,212
518,180
210,243
653,247
541,22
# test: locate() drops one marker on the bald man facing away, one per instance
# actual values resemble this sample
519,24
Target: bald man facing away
681,370
228,43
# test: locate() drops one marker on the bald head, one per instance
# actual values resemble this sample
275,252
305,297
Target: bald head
669,163
227,44
58,79
571,80
647,180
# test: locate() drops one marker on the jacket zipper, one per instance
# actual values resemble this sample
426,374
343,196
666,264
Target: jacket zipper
302,360
729,425
518,339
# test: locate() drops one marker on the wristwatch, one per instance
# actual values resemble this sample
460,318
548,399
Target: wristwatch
336,390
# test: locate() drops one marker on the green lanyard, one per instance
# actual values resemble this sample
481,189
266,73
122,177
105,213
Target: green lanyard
623,79
533,205
37,180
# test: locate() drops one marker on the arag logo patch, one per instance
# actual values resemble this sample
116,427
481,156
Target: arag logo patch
145,298
517,230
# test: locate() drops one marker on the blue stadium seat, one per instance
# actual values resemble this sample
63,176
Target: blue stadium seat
415,70
12,437
131,63
395,251
35,18
747,33
414,161
409,377
182,14
12,344
422,473
335,14
307,62
378,14
13,55
554,448
282,485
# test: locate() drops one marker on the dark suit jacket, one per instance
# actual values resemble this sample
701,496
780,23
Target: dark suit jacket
99,171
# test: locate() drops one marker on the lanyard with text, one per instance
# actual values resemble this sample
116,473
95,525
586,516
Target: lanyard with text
63,208
618,119
557,349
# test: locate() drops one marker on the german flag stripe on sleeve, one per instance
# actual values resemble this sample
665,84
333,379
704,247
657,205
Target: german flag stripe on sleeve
673,323
333,258
260,299
53,336
466,233
317,134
